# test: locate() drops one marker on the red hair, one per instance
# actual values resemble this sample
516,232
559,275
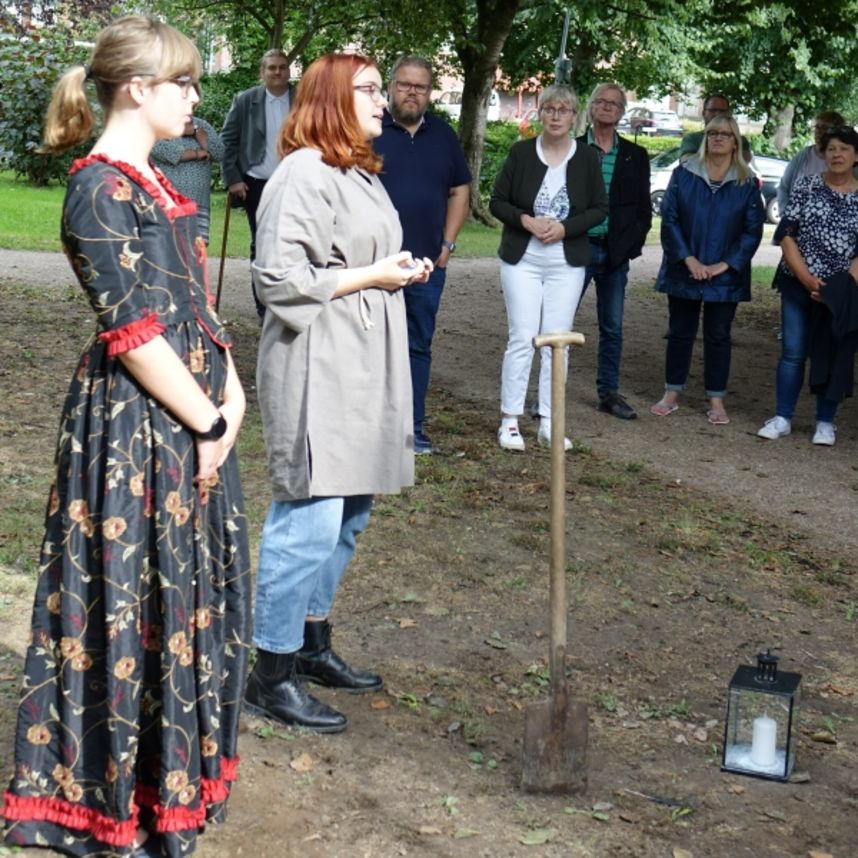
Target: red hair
323,116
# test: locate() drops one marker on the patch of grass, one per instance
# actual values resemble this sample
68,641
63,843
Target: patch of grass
29,217
806,595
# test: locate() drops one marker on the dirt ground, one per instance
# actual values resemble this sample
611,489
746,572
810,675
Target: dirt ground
689,548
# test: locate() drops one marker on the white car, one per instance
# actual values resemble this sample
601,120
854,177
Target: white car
767,170
451,103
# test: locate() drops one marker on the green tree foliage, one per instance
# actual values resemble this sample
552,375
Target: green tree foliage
29,68
796,54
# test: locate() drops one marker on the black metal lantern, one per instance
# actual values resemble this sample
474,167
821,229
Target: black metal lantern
762,713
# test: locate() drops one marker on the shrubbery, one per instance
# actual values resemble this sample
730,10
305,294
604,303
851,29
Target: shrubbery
29,68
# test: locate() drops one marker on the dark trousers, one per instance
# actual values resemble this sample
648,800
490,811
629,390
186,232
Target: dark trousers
684,320
421,307
251,204
610,302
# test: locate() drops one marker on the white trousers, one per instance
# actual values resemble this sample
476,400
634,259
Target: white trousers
541,298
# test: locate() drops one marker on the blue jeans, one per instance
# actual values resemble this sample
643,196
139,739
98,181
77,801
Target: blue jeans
610,302
306,546
421,307
684,320
796,308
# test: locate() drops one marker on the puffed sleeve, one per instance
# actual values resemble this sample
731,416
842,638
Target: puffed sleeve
295,268
102,216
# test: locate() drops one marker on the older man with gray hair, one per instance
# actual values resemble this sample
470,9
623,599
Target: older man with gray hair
625,170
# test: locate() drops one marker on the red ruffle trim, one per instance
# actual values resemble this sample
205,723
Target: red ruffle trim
182,204
103,828
132,335
122,832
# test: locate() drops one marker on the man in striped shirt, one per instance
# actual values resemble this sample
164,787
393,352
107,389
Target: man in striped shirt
619,238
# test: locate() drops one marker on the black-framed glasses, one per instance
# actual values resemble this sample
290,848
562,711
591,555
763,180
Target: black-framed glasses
719,135
405,86
606,102
373,90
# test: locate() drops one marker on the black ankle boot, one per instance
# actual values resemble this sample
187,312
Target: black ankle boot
274,691
317,662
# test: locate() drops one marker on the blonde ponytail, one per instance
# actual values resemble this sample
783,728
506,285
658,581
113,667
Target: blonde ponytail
69,120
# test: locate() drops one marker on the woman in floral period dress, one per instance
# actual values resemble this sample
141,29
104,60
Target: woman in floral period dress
126,736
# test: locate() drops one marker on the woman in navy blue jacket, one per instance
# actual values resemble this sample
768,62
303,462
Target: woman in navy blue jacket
712,223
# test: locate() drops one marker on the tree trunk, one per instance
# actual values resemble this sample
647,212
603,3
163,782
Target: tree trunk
783,127
479,52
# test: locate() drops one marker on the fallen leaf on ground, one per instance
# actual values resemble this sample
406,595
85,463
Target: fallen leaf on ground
824,736
537,837
381,703
700,734
681,853
814,854
490,710
407,623
462,833
627,817
302,763
428,829
737,789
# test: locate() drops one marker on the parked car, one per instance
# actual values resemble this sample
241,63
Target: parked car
451,103
767,170
660,169
658,123
770,171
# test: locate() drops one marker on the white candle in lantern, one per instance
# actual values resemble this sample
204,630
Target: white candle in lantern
764,742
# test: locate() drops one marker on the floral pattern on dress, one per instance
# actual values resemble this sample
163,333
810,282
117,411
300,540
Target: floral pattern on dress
135,673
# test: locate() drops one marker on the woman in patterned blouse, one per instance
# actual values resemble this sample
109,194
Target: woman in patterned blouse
127,726
818,234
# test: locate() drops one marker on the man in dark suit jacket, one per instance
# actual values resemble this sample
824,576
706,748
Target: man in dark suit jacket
249,137
625,169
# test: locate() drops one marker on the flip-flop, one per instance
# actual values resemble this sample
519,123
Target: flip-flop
718,418
662,408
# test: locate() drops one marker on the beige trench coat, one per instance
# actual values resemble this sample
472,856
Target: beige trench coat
333,377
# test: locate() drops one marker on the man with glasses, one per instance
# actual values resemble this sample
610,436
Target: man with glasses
713,105
249,138
809,161
619,238
428,180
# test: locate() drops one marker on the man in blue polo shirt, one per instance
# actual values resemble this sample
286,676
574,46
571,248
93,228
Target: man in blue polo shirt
427,178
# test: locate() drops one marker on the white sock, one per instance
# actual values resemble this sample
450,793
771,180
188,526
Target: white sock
509,423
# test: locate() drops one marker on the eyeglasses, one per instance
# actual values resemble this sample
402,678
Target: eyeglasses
560,112
719,135
606,102
185,83
417,88
373,90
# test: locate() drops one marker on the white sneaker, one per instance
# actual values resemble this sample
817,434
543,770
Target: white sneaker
509,437
826,434
543,436
774,428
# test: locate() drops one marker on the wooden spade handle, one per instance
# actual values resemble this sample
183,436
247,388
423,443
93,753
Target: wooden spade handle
557,565
567,338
